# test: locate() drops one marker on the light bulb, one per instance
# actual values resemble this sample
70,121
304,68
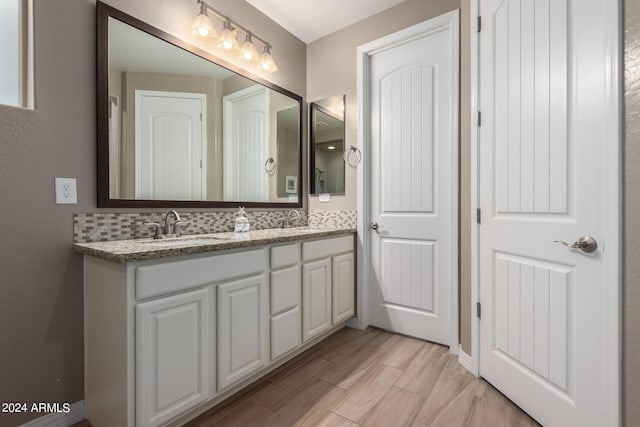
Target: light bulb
227,39
248,51
266,62
202,25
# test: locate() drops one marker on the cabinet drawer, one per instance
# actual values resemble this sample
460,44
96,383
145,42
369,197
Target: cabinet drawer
285,289
285,333
158,279
283,256
326,247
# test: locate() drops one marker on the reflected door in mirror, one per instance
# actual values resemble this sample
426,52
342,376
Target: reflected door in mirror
246,145
170,146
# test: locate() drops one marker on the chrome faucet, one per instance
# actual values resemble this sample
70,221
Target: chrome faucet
170,229
289,217
167,222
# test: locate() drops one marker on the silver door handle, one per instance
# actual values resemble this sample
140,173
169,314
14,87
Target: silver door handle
586,244
375,226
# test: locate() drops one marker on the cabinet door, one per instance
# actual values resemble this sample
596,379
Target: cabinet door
242,329
285,332
343,289
172,356
316,298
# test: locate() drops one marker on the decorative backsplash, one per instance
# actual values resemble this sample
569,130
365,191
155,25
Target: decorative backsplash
100,227
332,218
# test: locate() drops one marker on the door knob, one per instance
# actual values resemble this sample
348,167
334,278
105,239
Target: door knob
374,226
586,244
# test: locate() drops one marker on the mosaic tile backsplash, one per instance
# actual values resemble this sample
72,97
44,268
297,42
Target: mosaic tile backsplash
332,219
100,227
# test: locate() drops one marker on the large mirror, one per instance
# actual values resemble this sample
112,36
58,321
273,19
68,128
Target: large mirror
326,171
177,129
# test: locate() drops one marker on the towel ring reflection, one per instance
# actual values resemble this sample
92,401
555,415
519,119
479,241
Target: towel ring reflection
352,156
270,166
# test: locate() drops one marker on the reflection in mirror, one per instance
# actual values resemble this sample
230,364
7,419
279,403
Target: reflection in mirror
182,128
327,146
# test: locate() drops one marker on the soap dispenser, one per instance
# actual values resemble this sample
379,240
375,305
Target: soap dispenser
242,223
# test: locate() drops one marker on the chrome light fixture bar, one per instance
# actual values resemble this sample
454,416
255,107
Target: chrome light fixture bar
227,39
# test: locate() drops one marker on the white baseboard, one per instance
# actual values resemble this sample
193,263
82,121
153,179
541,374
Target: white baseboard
465,360
61,419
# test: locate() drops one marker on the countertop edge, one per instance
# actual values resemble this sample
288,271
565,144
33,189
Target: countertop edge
89,248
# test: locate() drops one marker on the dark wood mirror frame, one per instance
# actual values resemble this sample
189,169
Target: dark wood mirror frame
103,13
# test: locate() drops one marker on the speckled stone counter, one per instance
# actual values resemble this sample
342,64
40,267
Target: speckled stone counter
123,251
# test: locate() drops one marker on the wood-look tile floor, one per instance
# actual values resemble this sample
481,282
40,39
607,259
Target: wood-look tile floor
369,378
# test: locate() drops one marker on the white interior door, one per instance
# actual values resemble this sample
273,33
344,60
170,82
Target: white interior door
548,104
246,144
413,89
170,146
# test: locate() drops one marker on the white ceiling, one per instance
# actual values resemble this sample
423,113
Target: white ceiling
310,20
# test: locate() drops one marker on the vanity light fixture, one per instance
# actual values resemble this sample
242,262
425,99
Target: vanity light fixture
266,62
203,26
248,50
331,147
228,38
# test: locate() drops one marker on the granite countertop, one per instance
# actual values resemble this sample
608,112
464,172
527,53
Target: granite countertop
123,251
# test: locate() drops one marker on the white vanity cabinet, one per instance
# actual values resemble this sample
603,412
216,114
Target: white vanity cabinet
342,276
172,369
316,298
242,329
327,284
166,339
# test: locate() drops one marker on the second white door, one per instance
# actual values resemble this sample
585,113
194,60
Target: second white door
413,96
548,173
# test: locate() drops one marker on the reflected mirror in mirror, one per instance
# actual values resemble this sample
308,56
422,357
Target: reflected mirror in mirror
182,128
327,146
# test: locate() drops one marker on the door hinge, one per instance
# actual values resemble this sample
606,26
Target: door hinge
200,164
479,119
478,310
200,116
479,23
478,216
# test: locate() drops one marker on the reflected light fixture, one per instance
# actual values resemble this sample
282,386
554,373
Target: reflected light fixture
228,39
331,147
203,26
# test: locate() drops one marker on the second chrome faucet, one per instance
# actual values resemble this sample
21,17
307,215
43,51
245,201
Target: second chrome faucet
169,229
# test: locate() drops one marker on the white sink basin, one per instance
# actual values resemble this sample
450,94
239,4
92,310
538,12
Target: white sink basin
181,241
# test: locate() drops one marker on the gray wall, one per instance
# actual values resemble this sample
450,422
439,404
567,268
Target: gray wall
41,293
631,251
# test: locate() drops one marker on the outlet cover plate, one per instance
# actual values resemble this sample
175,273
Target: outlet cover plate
66,193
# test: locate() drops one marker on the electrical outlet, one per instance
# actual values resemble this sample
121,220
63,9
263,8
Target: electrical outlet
66,191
